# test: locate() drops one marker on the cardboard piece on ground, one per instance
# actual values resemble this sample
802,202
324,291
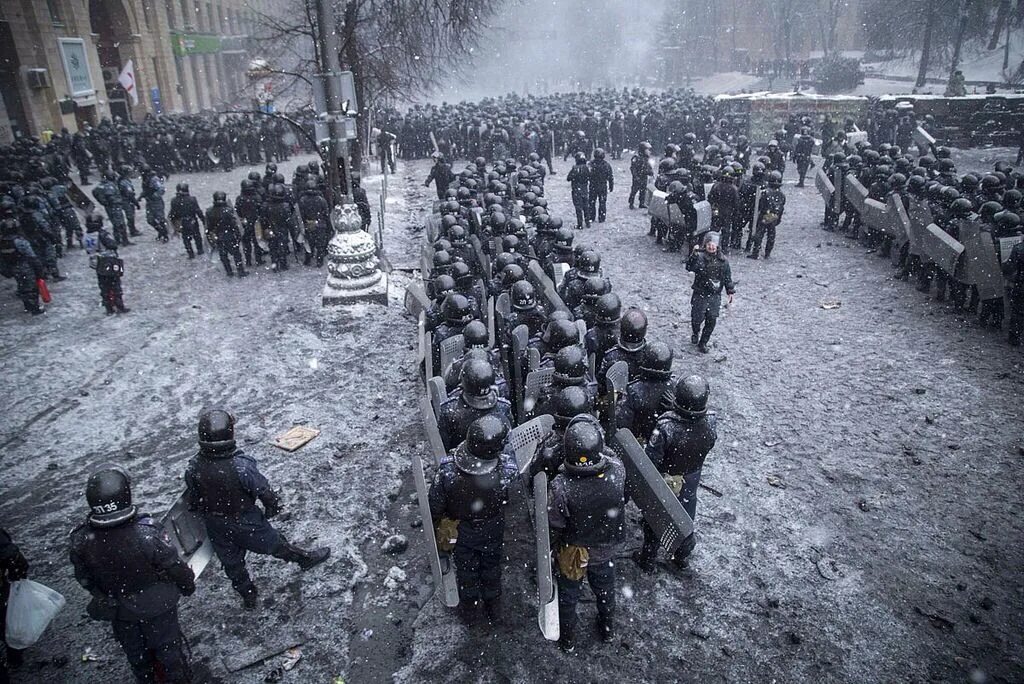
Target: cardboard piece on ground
296,437
257,654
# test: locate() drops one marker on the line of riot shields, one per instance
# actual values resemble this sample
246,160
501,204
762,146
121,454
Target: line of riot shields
951,232
495,221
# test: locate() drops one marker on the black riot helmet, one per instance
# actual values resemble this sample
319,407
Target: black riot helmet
93,221
443,285
774,179
656,362
523,296
477,383
560,334
1008,221
475,335
254,176
220,198
632,330
277,191
691,395
593,288
598,153
457,309
247,185
216,430
589,262
510,275
570,365
109,495
485,439
457,234
442,262
989,210
182,188
961,208
271,168
570,402
608,308
582,444
462,273
990,182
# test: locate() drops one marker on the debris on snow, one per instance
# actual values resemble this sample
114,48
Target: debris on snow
395,579
829,304
776,481
295,438
395,544
89,656
829,568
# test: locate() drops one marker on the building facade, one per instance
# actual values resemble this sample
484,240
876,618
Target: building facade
60,59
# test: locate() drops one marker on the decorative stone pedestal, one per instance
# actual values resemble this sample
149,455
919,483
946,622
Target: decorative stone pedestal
354,273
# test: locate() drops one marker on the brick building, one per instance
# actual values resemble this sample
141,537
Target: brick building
60,59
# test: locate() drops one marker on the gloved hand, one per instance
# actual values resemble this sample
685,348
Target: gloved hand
271,507
18,568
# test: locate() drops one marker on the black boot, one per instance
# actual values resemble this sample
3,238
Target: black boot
567,639
250,597
305,559
645,558
605,628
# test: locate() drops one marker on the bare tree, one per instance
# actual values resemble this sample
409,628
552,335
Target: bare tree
829,12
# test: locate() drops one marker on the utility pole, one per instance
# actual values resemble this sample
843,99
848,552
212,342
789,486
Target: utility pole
337,144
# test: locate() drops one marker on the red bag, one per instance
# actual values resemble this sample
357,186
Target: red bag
44,291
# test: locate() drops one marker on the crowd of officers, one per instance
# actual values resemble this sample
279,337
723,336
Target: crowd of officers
40,222
931,179
125,559
665,411
178,143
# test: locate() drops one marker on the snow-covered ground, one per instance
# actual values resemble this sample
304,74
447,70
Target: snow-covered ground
867,459
978,63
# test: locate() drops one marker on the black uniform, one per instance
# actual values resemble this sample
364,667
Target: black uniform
455,416
136,578
712,274
1014,271
640,171
640,406
13,567
802,155
770,210
186,214
678,446
222,222
247,206
602,182
587,509
315,214
276,217
579,178
476,502
725,203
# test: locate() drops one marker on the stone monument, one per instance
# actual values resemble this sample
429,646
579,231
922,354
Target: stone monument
353,269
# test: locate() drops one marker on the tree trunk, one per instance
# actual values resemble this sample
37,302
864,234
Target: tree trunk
960,28
1001,16
926,48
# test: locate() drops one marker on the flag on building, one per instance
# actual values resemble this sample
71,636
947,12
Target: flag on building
127,81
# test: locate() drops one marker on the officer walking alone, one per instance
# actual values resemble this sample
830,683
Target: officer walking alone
712,274
223,484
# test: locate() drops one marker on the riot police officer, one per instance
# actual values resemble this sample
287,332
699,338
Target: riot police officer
477,397
247,207
276,217
129,202
579,180
769,215
109,195
602,182
640,170
222,222
604,334
186,215
153,193
467,500
586,514
125,560
223,484
681,441
712,274
315,214
632,340
643,401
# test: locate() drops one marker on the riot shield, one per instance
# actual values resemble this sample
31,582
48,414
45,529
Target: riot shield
451,349
657,205
478,249
703,209
433,228
876,217
660,507
617,378
560,270
924,141
856,193
416,300
426,267
547,590
536,381
437,392
838,194
856,136
581,327
79,198
524,439
1006,245
899,222
431,430
537,277
980,265
824,185
940,248
757,211
424,348
188,535
491,339
261,237
920,218
476,219
517,356
428,355
443,569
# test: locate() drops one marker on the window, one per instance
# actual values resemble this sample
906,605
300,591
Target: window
55,16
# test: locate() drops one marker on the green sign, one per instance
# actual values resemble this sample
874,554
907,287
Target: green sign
194,44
